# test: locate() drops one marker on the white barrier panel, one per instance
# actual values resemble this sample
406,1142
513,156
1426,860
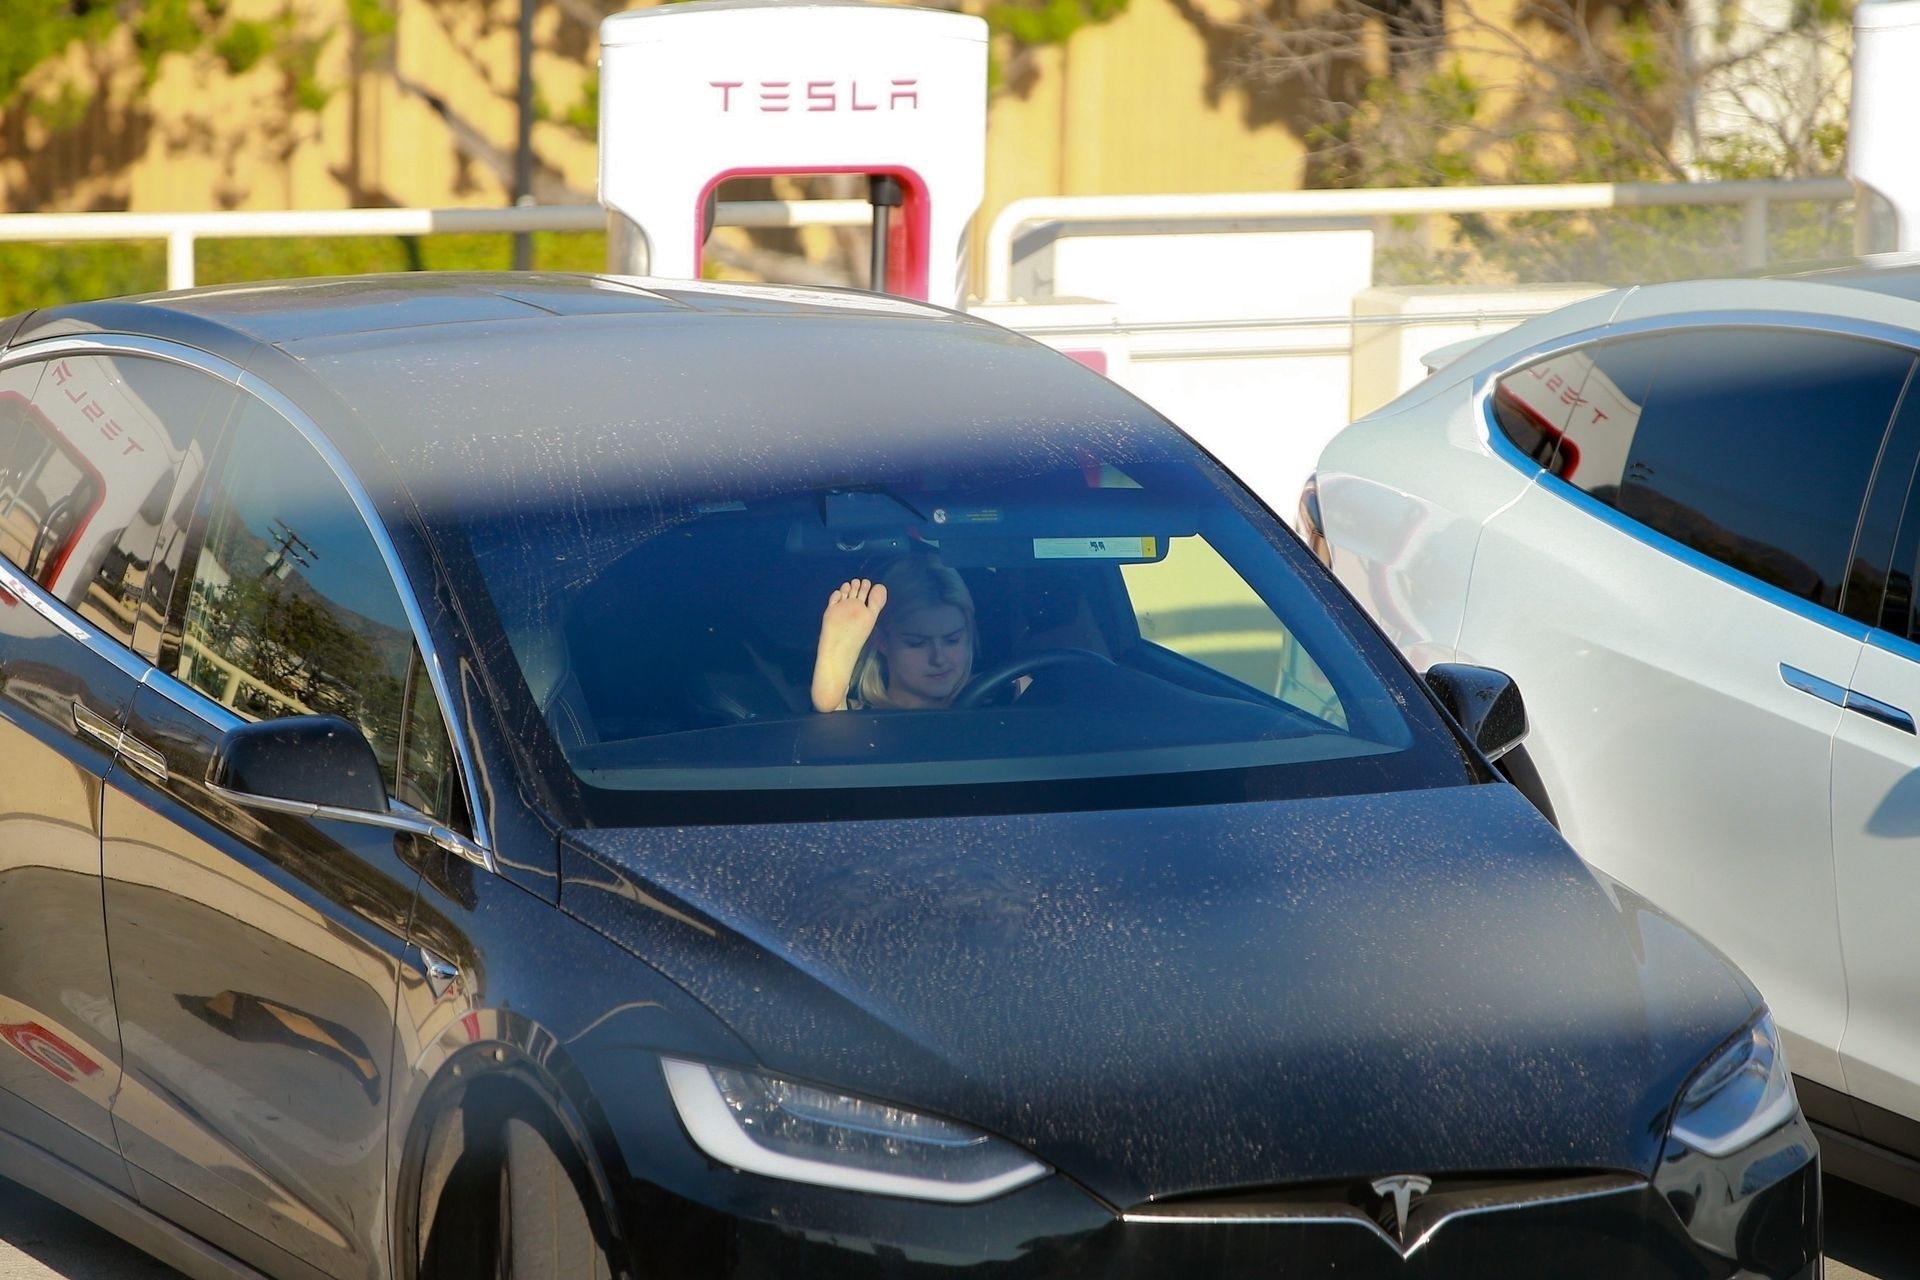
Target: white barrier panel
1237,334
1170,270
694,94
1264,395
1880,145
1087,331
1387,356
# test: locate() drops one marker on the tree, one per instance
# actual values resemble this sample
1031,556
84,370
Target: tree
40,32
1455,92
63,62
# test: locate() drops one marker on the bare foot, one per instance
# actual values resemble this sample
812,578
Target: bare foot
844,627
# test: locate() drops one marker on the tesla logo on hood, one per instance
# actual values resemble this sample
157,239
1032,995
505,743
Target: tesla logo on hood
1402,1188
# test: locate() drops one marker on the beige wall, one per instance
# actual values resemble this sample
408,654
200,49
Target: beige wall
1142,103
199,138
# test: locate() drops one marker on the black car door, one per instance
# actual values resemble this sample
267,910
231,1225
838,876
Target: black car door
93,442
256,953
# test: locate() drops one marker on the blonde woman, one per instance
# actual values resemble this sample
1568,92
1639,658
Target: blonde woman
905,642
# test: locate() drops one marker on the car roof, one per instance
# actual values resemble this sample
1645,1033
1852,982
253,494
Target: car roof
1894,274
284,312
498,380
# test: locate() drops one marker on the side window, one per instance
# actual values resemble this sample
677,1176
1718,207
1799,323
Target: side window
426,772
1193,603
1892,608
1575,413
290,609
91,449
1754,447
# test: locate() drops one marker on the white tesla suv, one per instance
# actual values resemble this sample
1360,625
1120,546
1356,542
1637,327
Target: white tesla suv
1684,517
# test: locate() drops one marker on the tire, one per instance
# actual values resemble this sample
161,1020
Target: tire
508,1205
548,1232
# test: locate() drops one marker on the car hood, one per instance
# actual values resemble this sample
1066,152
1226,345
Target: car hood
1180,1000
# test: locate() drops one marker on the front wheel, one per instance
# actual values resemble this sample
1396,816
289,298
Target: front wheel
549,1235
511,1208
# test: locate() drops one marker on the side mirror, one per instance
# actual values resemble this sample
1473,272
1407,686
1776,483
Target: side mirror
1484,702
318,760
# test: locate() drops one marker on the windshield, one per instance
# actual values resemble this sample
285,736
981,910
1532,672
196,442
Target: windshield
1102,619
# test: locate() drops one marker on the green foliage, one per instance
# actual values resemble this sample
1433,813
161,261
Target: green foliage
1644,55
584,114
372,18
1035,22
1373,146
1030,24
36,30
243,45
162,27
46,275
299,61
1619,246
63,110
1821,13
1605,119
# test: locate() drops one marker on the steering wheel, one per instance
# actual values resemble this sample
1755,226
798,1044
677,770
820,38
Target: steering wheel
982,688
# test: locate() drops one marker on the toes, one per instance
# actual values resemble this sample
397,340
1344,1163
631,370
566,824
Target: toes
864,590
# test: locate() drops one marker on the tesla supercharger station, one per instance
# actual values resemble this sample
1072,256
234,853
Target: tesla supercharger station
1882,156
694,94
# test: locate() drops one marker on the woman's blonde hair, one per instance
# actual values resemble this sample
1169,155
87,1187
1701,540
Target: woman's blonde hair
914,581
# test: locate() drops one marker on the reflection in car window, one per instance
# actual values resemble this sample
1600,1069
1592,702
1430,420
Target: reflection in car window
290,610
91,447
1193,603
1754,447
1575,413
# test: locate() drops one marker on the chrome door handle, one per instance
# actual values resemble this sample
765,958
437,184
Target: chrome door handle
117,740
96,726
1807,682
1874,709
136,752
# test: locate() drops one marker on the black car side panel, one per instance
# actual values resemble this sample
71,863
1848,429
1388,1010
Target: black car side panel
543,1010
257,956
61,1065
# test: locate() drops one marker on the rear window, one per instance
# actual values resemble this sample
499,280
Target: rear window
1080,618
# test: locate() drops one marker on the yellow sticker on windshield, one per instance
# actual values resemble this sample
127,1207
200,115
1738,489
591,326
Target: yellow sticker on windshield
1132,548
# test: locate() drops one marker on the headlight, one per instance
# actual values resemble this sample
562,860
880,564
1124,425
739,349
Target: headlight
786,1130
1744,1092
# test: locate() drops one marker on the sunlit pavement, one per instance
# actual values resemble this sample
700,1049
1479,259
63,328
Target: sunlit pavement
41,1241
1869,1237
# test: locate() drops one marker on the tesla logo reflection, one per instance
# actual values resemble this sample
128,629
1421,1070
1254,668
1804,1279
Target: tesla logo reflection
1402,1188
48,1051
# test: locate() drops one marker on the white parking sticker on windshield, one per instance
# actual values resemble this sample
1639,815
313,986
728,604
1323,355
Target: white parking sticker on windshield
1093,548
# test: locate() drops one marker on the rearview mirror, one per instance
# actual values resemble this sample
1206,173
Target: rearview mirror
1483,702
317,760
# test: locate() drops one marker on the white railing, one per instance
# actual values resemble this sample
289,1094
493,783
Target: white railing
182,230
1280,207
